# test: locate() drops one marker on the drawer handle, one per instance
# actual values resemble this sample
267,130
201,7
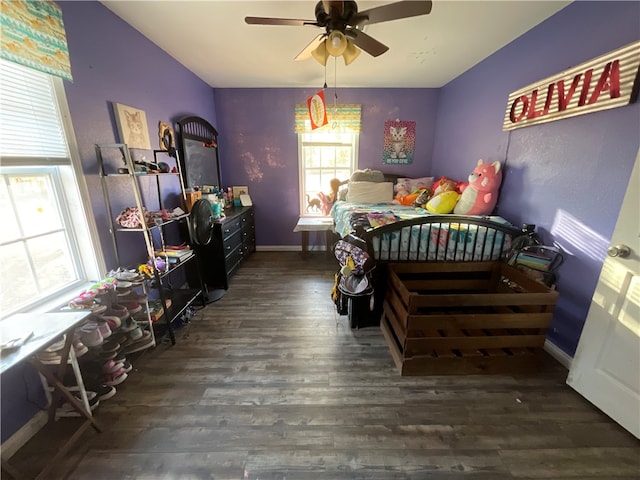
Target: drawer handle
227,230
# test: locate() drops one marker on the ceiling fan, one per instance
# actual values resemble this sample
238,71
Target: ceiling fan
343,24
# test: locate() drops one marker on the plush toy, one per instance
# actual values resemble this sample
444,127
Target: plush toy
481,195
423,198
444,198
402,188
403,194
444,202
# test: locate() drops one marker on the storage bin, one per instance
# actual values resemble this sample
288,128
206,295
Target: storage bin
465,317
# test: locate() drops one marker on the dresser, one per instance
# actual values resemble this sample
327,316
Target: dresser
233,240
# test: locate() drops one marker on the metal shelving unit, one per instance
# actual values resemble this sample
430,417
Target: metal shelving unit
174,301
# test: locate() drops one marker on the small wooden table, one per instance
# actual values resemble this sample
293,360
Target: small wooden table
314,224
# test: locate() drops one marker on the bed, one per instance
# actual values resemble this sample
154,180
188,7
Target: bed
442,294
401,233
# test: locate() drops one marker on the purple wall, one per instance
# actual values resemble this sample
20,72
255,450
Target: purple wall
258,146
110,62
569,176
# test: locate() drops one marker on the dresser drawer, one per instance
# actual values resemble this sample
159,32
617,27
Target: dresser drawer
230,227
232,242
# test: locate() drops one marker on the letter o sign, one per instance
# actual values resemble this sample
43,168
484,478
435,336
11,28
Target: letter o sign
525,106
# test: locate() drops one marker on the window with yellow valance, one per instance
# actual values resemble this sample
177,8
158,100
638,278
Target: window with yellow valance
33,35
344,118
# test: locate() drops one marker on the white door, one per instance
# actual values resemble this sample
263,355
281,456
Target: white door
606,367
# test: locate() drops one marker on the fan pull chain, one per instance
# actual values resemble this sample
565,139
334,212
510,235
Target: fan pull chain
325,76
334,124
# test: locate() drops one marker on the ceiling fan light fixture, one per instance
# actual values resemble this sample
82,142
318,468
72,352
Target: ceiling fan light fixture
350,53
320,54
336,43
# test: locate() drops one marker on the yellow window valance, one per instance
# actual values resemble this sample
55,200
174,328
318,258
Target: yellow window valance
33,35
345,118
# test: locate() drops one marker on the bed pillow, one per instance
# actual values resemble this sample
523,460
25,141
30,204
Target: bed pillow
370,192
367,175
405,186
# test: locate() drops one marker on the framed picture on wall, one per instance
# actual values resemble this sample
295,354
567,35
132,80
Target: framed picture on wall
132,126
399,142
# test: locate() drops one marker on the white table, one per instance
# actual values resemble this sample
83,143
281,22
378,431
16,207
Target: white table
47,328
314,224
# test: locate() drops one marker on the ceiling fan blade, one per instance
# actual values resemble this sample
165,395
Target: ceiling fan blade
391,11
367,43
306,51
279,21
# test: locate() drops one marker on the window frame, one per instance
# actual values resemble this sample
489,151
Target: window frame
74,203
314,139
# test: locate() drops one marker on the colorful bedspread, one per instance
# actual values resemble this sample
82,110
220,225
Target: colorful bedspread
346,215
440,241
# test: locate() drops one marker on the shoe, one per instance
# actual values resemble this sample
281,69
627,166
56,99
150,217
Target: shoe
104,329
78,347
58,345
113,321
129,325
110,346
90,335
133,307
66,409
120,357
135,334
127,366
133,297
108,355
118,311
104,392
145,342
49,358
115,378
111,366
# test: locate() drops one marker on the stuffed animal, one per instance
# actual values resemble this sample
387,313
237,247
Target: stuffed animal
444,197
423,198
402,187
444,202
481,195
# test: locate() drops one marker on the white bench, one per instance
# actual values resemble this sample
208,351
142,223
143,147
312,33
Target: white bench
314,224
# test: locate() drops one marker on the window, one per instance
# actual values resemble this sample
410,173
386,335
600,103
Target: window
324,154
48,238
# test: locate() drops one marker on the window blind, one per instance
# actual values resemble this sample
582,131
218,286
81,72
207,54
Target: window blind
31,123
342,118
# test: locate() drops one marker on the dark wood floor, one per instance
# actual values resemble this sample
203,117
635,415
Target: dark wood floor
269,384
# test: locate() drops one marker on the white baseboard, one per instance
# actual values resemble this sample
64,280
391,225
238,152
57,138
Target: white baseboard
289,248
16,441
560,355
278,248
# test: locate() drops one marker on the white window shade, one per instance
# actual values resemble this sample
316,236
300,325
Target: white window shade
29,116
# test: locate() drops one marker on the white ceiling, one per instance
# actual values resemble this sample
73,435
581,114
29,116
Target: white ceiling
211,39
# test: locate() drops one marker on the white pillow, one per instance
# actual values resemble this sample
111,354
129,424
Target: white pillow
370,192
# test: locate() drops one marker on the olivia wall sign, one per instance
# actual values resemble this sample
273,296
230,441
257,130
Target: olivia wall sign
609,81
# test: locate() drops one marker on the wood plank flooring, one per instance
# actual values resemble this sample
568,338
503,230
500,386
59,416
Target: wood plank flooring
269,384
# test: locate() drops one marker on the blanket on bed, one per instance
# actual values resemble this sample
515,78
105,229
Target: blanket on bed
347,215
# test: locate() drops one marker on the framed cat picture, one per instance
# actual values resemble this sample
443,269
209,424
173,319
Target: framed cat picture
132,126
399,142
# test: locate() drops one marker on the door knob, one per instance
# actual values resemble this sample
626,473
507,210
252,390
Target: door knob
620,250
